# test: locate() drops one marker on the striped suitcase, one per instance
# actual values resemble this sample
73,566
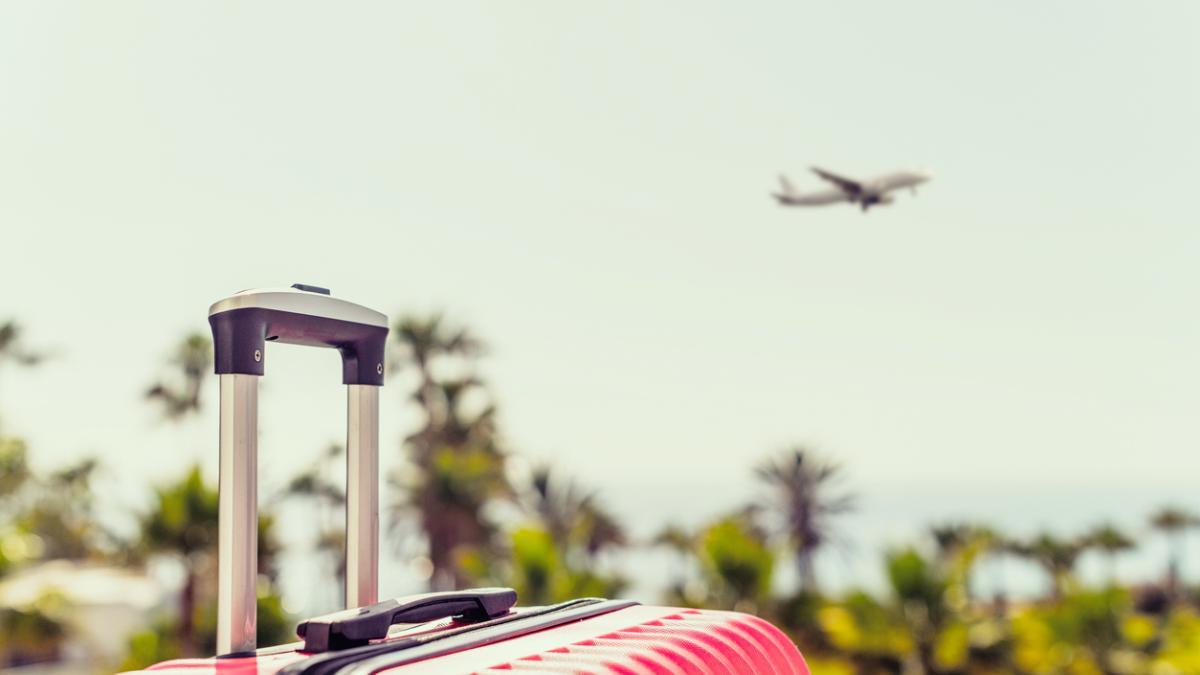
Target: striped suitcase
471,631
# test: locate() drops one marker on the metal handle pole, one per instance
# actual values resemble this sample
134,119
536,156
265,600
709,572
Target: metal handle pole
362,495
237,550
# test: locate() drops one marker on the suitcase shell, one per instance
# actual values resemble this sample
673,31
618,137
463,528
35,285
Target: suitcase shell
632,640
475,631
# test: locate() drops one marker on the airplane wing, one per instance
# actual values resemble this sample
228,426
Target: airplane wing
847,185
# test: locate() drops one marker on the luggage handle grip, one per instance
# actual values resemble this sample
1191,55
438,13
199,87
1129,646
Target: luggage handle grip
242,324
356,627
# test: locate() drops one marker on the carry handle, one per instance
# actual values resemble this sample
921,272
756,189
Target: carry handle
356,627
304,315
243,323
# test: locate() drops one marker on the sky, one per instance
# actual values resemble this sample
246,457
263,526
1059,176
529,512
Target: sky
586,187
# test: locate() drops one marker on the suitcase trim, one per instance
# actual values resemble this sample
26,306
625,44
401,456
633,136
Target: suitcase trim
372,658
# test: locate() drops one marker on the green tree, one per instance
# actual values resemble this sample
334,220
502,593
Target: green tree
13,348
14,470
183,523
682,544
1111,541
805,500
179,391
580,525
739,563
56,510
16,477
951,539
29,636
556,558
1081,633
62,514
183,520
920,589
1057,557
316,485
1174,522
959,547
14,454
455,462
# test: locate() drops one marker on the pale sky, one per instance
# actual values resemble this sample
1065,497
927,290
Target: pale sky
586,186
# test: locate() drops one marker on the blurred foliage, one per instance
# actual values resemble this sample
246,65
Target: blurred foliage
13,348
183,523
738,563
455,465
801,484
43,516
318,485
29,635
556,557
536,568
163,641
178,392
553,539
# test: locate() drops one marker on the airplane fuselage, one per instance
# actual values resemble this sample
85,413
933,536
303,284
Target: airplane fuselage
864,193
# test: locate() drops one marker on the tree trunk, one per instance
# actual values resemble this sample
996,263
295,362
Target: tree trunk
187,615
444,540
808,573
1056,585
1173,562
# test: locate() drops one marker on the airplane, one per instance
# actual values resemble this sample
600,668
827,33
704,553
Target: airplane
865,193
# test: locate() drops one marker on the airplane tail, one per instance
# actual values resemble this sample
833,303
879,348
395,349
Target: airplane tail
787,189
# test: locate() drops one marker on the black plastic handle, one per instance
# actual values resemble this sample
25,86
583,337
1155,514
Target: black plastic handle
356,627
242,328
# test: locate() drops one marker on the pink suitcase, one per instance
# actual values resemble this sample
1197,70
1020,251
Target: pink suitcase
471,631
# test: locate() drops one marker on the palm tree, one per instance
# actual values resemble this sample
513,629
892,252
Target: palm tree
802,483
1111,541
447,496
580,526
13,348
921,589
183,522
602,530
14,468
959,546
1057,557
995,545
62,512
315,485
15,472
739,563
184,518
57,508
423,342
682,543
1174,522
179,394
456,464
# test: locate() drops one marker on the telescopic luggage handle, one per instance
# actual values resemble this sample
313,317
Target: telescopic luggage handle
242,324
